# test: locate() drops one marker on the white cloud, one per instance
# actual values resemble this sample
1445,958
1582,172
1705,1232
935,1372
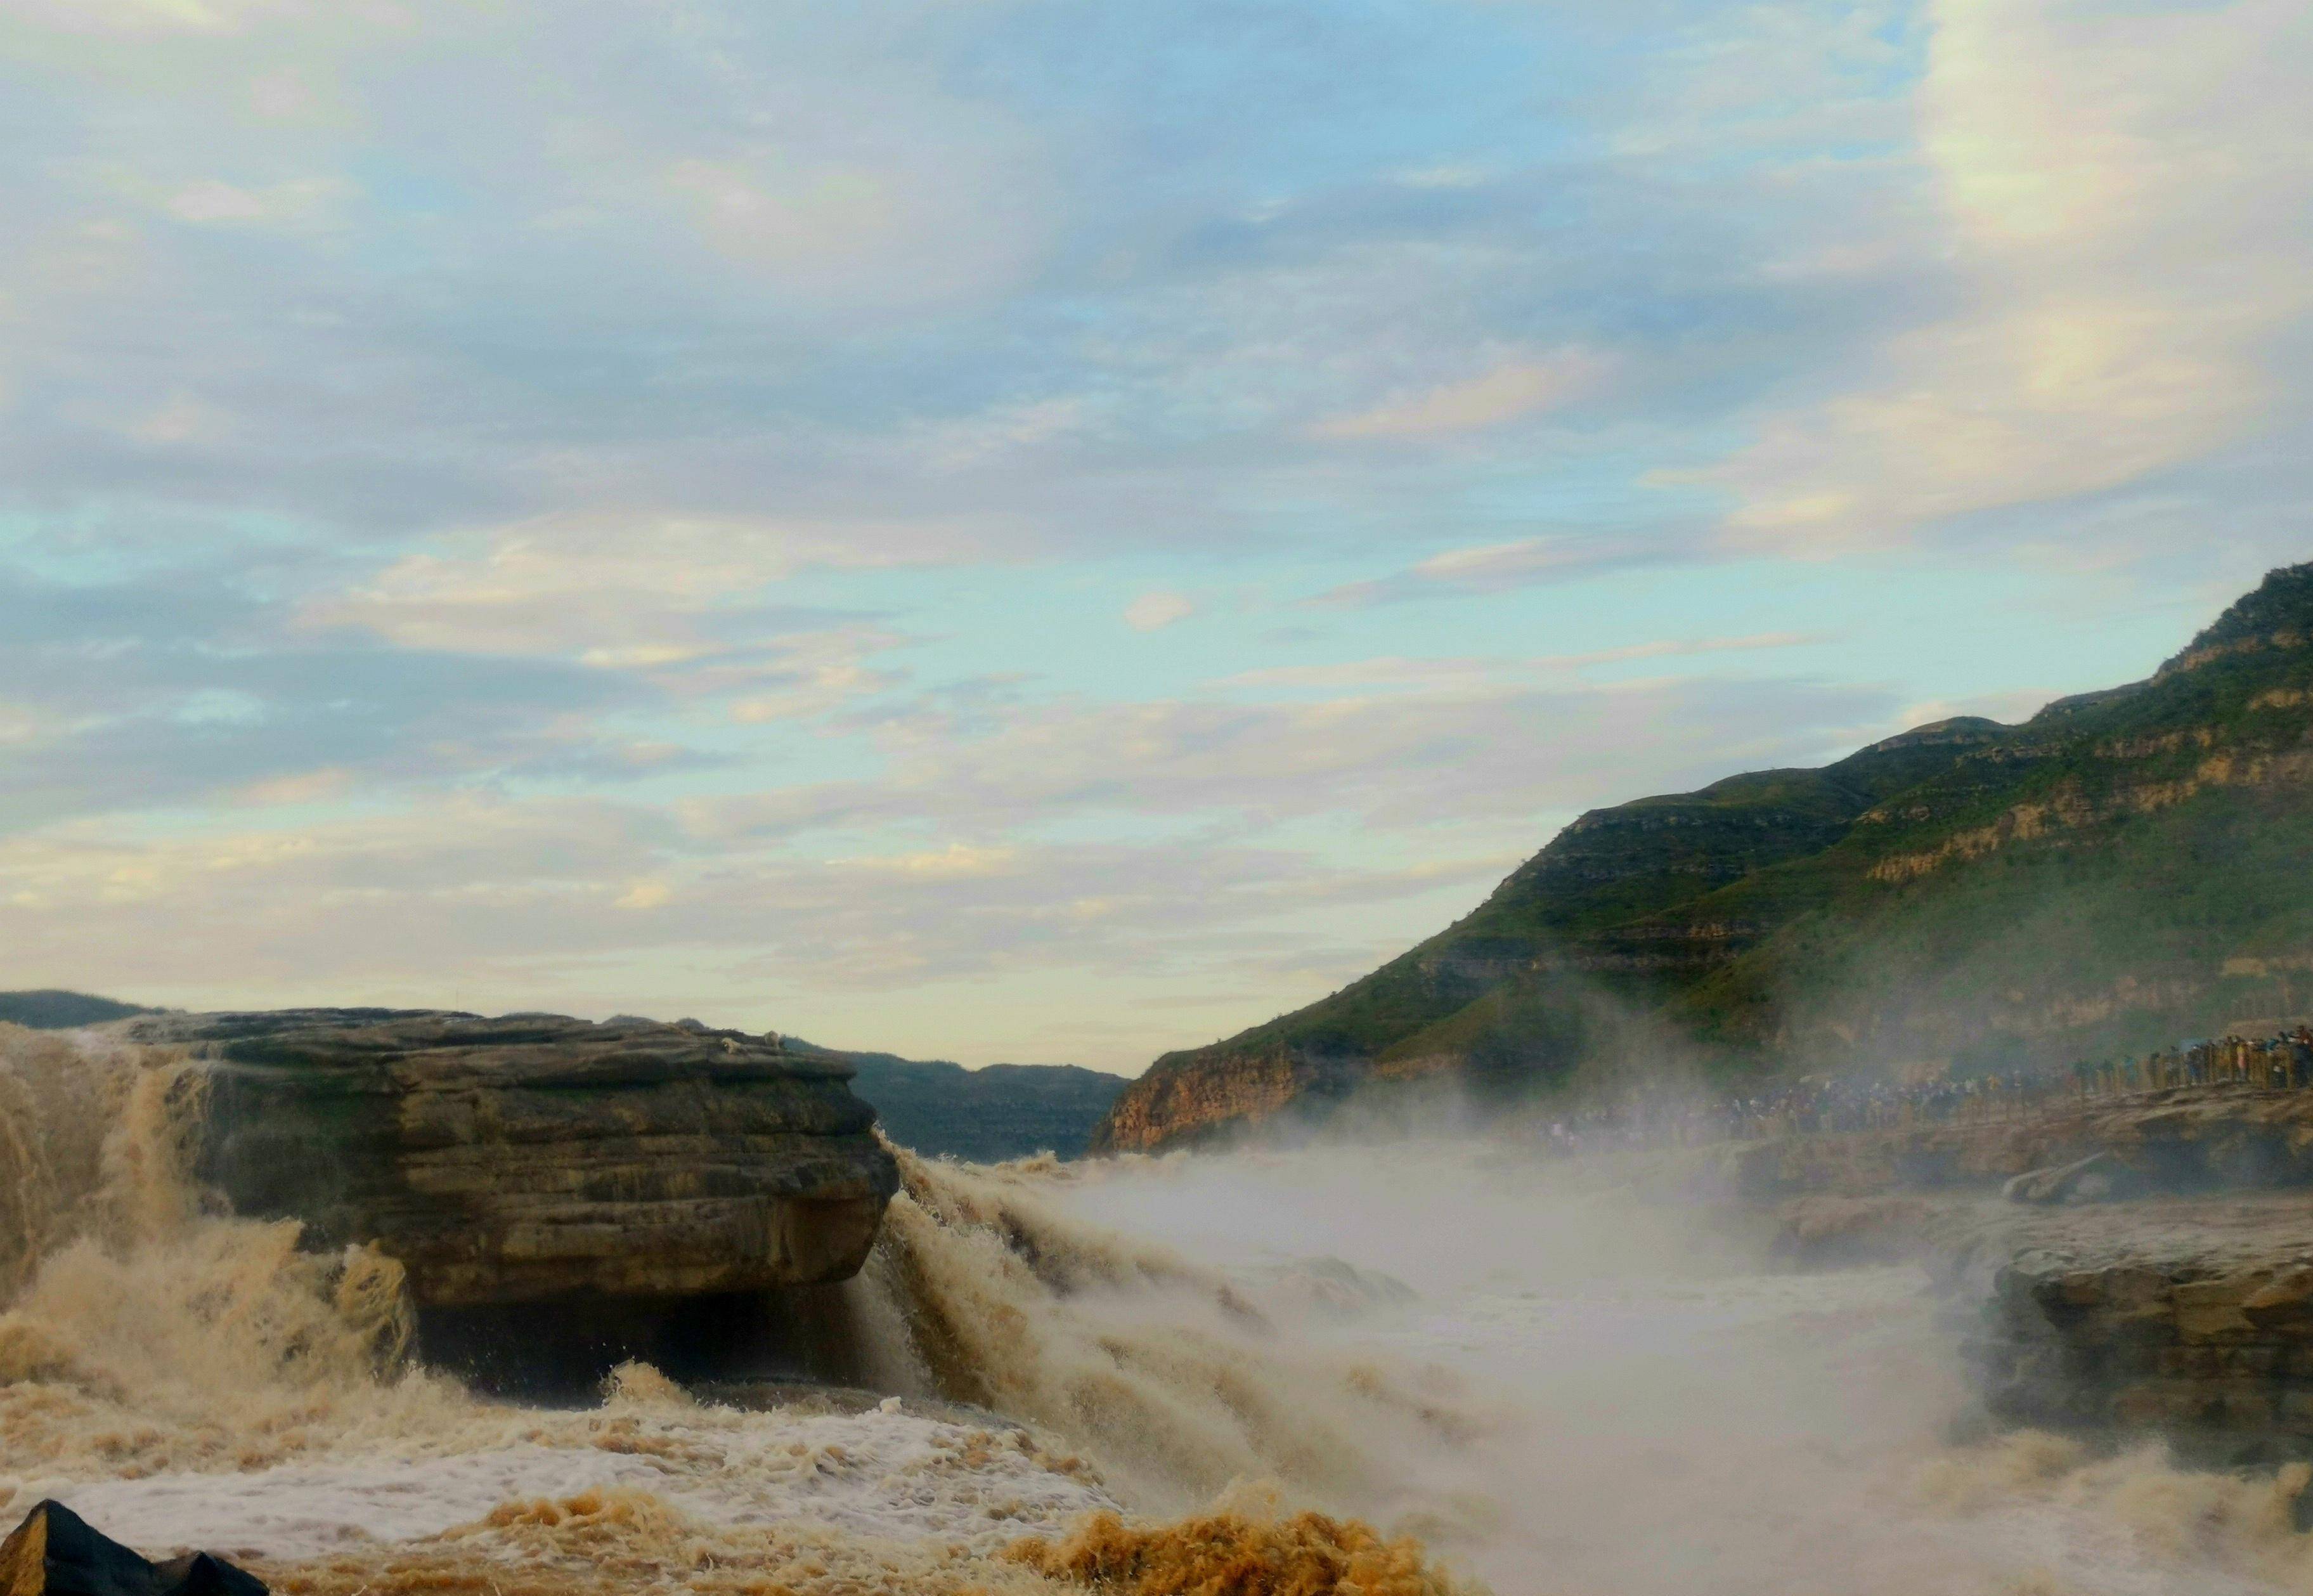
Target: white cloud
304,787
1515,386
1497,567
1005,430
1153,612
812,689
2128,202
805,221
1433,673
144,16
297,202
619,591
974,948
1397,752
884,192
955,860
703,300
687,605
185,419
22,724
285,94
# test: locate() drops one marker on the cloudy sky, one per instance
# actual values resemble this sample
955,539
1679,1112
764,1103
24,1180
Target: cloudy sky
1013,530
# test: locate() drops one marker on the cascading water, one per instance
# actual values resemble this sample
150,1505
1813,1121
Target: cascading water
1534,1371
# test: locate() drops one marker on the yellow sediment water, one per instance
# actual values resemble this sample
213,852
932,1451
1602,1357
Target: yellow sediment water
185,1376
1185,1376
1175,1375
1241,1546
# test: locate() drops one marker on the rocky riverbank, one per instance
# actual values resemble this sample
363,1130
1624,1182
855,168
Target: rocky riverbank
2114,1267
2189,1317
2183,1141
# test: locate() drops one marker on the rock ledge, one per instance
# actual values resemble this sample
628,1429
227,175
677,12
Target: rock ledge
533,1156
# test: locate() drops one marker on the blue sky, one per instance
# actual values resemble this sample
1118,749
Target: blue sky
1037,531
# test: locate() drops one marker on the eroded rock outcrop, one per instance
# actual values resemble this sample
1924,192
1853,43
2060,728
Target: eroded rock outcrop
2181,1142
1185,1099
2190,1318
531,1157
2127,1267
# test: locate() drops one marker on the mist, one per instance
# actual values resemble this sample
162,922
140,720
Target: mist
1529,1372
1657,1407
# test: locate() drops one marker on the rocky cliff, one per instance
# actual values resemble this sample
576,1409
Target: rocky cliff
534,1157
2122,870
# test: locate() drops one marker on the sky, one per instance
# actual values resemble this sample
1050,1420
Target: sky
1002,530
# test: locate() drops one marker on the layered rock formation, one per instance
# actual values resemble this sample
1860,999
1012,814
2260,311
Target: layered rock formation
2122,870
2183,1141
532,1156
2192,1318
2127,1267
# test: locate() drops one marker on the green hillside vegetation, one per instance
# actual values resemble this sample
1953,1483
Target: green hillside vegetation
1002,1111
2124,869
50,1010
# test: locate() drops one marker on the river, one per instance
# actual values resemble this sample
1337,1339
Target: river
1526,1375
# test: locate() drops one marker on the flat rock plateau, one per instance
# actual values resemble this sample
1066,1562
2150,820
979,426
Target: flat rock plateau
538,1159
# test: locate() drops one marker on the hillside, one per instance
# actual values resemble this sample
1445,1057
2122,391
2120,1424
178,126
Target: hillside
2124,867
1003,1111
48,1009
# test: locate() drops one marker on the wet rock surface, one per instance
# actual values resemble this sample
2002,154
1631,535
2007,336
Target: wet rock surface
55,1552
2191,1318
530,1158
2184,1140
2130,1266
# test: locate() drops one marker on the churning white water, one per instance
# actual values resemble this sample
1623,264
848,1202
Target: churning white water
1538,1374
1661,1413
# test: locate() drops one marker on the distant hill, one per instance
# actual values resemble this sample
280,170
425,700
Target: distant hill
2124,869
52,1010
1003,1111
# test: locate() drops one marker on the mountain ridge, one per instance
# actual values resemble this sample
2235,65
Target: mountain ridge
937,1107
1739,924
52,1009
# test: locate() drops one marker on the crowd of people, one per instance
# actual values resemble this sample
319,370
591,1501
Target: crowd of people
2282,1062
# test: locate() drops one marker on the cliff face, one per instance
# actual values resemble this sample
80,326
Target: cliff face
534,1157
2191,1320
2122,870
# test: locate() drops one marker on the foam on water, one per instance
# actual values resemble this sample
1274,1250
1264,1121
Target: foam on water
887,1474
308,1510
1533,1371
1669,1415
